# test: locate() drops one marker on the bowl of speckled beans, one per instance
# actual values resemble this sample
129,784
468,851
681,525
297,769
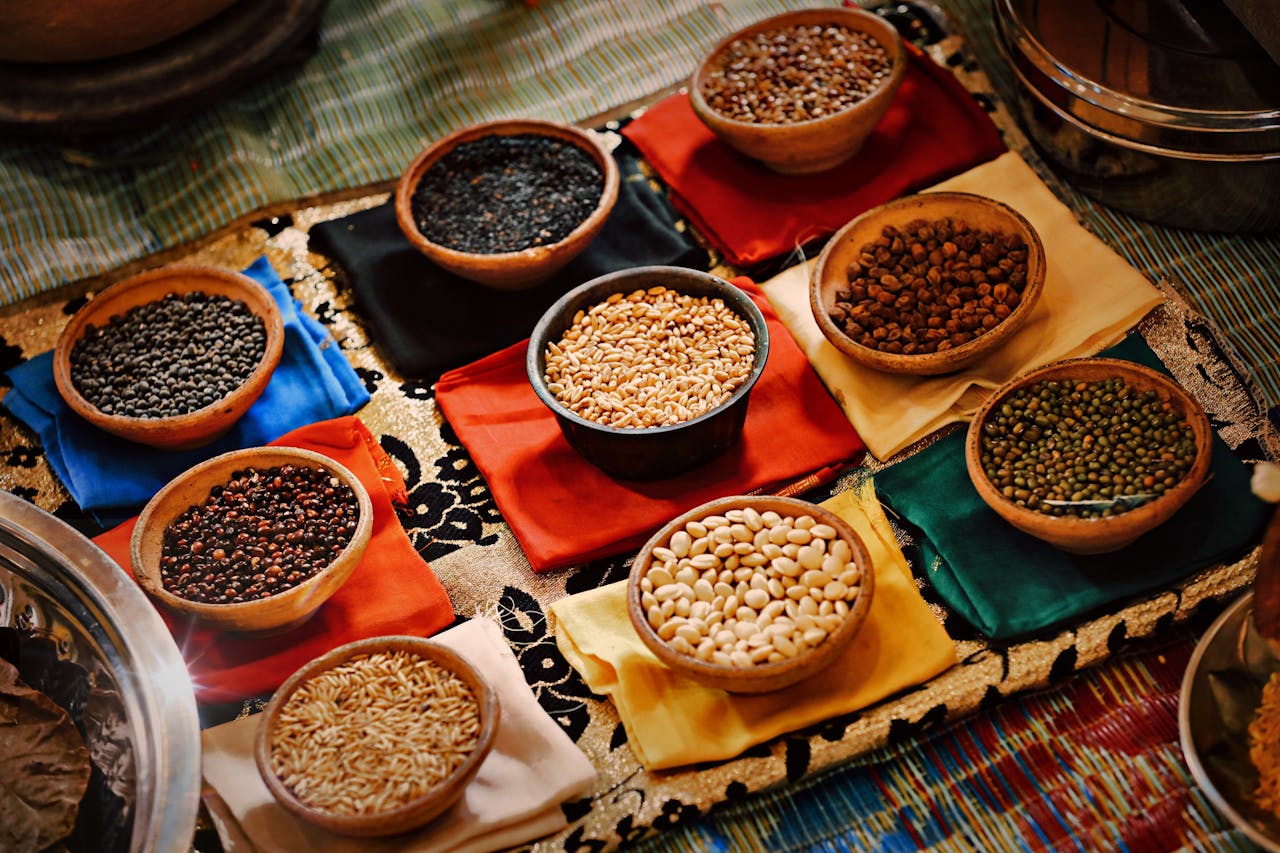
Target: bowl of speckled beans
507,204
800,92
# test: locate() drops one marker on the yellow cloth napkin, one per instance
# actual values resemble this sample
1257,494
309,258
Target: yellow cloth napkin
514,798
1091,298
671,720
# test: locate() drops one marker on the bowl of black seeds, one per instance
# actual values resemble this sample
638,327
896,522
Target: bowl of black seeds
1089,454
254,540
171,358
507,204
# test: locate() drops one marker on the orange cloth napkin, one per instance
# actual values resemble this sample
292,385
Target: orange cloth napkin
564,510
391,591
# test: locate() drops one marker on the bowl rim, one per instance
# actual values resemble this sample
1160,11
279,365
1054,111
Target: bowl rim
403,817
153,582
869,21
734,297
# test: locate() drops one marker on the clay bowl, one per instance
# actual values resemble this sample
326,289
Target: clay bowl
762,677
1094,535
277,613
815,145
78,30
192,429
648,453
508,270
417,812
829,275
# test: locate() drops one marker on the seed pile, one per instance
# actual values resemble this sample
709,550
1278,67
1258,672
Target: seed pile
1087,449
506,193
650,358
168,357
374,733
794,74
930,286
749,588
263,532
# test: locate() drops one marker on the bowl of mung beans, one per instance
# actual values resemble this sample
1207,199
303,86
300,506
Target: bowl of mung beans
649,371
507,203
376,737
927,284
750,594
254,540
171,358
1089,454
802,91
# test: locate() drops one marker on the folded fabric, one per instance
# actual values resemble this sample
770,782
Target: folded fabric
671,720
545,489
933,129
1007,583
113,478
426,321
514,798
1091,299
391,591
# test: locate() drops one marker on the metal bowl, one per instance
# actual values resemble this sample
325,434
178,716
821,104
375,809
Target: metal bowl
81,631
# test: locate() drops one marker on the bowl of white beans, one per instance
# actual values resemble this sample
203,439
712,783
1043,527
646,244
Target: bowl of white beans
750,594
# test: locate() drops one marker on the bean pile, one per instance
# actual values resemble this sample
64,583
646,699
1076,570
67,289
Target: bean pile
930,286
263,532
794,74
650,358
169,357
506,193
1086,449
749,588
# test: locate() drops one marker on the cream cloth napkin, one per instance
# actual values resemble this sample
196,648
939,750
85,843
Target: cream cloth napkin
513,799
671,720
1091,299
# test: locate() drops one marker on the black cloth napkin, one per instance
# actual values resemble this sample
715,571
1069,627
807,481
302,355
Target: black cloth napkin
426,321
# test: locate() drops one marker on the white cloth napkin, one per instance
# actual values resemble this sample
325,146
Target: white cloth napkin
514,798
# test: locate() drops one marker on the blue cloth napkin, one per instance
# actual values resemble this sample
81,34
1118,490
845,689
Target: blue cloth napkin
113,478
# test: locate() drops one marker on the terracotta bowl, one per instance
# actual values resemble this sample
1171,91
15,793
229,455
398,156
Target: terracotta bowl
818,144
829,275
277,613
648,453
201,426
1094,535
77,30
417,812
764,677
508,270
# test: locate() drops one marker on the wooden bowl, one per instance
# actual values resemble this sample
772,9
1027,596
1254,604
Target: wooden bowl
815,145
277,613
201,426
410,815
764,677
648,453
829,274
1094,535
508,270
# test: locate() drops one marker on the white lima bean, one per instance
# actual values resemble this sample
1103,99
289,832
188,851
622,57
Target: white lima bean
781,605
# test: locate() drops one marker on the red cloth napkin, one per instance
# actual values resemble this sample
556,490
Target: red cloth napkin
932,130
391,591
564,510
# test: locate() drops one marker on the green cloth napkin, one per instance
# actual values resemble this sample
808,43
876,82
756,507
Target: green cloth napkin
1007,583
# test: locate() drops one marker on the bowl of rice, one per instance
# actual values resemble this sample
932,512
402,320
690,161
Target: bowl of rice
377,737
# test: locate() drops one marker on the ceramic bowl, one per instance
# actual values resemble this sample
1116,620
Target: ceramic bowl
276,613
648,453
79,30
415,813
764,677
1094,535
508,270
815,145
192,429
829,275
